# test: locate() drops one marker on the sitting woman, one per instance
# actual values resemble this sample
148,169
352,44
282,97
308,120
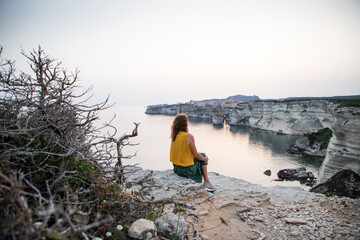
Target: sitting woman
183,154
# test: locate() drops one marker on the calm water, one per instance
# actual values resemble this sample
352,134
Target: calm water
233,151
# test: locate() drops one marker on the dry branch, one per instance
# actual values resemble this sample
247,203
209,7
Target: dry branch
52,153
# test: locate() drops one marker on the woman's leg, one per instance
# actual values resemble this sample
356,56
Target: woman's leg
205,173
204,169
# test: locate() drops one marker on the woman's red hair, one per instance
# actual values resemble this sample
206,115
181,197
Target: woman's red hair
180,124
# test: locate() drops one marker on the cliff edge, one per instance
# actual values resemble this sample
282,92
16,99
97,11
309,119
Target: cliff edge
251,211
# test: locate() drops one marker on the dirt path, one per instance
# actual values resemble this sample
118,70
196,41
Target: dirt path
211,227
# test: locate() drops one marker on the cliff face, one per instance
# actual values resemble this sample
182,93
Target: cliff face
343,151
212,111
285,117
294,117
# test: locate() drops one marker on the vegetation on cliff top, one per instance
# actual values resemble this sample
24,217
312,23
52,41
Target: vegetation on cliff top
322,136
347,102
344,101
238,97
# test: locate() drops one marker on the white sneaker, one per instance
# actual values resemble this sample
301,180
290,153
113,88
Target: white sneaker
209,185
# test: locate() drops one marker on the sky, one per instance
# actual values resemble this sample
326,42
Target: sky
145,52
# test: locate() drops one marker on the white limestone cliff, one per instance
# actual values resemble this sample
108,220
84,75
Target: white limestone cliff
287,117
343,151
296,117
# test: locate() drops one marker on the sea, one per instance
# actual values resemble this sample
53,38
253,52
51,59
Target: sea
239,152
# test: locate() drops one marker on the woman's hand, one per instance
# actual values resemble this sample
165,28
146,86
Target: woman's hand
191,142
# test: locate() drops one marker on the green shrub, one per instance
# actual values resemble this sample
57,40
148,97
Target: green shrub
346,102
322,136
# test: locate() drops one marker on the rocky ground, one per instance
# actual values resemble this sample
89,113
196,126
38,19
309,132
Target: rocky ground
252,211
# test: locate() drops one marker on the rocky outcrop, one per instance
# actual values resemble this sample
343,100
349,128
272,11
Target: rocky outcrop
303,147
259,212
298,174
345,183
218,119
287,117
312,145
343,151
164,109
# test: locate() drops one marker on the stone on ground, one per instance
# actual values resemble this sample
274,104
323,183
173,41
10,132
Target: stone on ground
172,225
140,228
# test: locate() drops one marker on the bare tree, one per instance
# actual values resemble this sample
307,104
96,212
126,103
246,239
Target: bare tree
51,152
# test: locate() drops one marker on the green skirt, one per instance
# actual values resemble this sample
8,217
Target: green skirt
193,172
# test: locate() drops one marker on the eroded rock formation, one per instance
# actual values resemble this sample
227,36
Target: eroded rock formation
295,117
343,151
312,145
303,147
287,117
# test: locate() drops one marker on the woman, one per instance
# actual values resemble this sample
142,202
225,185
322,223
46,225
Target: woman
183,154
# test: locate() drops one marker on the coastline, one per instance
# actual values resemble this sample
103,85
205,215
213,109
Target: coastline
294,117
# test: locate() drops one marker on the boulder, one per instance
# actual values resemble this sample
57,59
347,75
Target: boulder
345,183
140,228
299,174
172,225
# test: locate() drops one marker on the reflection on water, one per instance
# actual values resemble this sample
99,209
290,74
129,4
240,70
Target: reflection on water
278,143
239,152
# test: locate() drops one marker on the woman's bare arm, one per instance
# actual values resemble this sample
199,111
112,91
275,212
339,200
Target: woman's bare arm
191,142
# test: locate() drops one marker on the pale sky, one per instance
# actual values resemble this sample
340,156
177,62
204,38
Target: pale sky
162,51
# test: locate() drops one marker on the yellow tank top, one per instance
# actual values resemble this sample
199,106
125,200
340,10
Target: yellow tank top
180,151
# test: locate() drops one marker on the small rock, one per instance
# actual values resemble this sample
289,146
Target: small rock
55,236
267,172
168,208
140,228
205,237
295,221
37,225
204,212
262,236
172,225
